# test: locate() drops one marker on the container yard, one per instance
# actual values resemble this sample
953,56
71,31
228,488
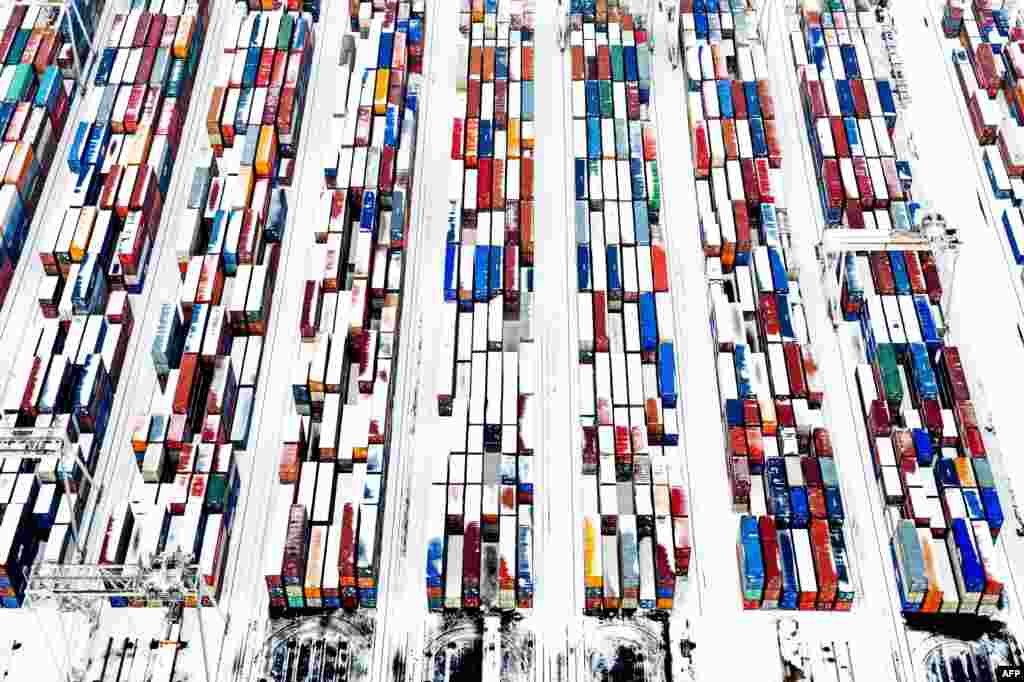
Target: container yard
635,514
232,382
481,547
42,52
791,539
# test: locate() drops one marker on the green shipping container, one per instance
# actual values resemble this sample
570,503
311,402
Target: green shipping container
604,89
654,190
217,493
284,32
17,47
888,370
161,68
618,68
21,84
176,81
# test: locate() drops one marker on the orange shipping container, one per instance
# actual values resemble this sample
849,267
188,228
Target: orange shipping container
526,178
183,38
513,138
579,69
729,137
527,63
380,92
476,62
266,152
472,141
488,65
186,379
526,232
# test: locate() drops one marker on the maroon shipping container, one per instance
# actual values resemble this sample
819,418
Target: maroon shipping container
795,370
741,219
156,30
955,379
786,417
293,565
739,100
833,183
931,276
822,442
751,189
770,556
142,30
864,186
813,96
739,475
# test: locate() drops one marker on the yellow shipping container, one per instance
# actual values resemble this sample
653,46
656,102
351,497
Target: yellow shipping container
266,150
183,38
478,11
80,242
591,558
380,92
247,179
513,138
136,146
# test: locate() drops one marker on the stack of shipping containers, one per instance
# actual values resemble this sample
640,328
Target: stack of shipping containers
324,542
37,79
926,446
792,543
130,660
94,253
480,552
635,520
209,341
989,64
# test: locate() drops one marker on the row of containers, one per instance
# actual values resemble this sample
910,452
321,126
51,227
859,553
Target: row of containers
925,443
989,63
37,87
207,350
325,536
94,250
481,526
635,519
792,542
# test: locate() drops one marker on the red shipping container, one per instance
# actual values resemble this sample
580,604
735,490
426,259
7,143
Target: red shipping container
839,137
186,380
785,415
456,138
813,96
821,442
498,184
659,266
739,100
794,369
483,183
156,30
600,322
770,556
737,442
768,309
741,220
860,98
526,176
473,99
764,97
